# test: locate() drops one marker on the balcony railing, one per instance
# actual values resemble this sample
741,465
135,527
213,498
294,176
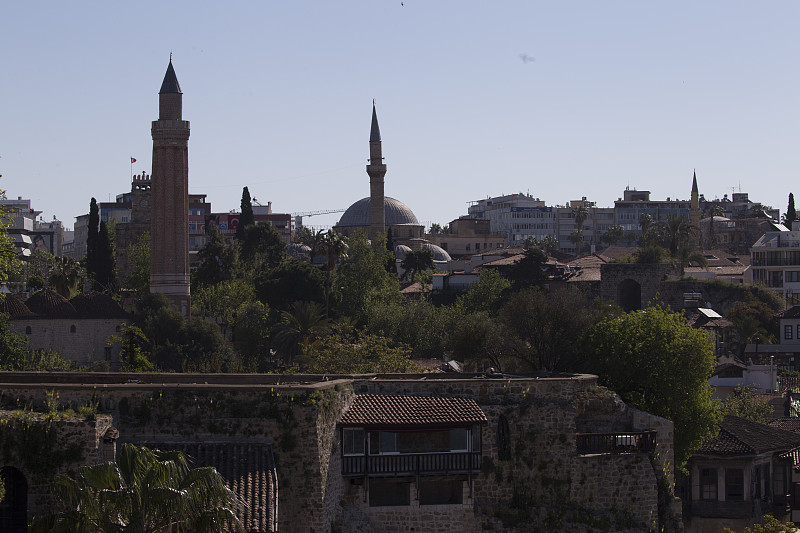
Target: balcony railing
627,442
412,464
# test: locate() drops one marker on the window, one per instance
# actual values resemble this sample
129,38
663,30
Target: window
787,332
468,247
73,329
440,492
389,492
458,440
798,331
107,353
708,484
734,484
503,439
352,441
27,330
382,442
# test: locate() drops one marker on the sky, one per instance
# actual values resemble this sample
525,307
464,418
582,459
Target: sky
475,99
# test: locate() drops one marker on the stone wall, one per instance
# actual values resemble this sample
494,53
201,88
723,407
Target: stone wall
532,477
76,339
648,278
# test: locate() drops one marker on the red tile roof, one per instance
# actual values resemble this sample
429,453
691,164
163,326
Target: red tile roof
738,436
379,410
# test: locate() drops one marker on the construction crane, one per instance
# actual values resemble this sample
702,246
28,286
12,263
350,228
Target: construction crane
298,217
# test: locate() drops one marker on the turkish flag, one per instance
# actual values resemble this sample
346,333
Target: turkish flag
133,160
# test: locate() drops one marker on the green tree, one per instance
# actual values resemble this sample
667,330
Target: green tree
649,254
133,357
485,294
13,347
350,351
291,281
614,234
220,302
218,262
529,270
313,239
66,276
335,250
752,319
687,255
246,218
261,247
677,231
145,491
301,324
362,281
106,274
581,213
92,240
139,258
791,214
416,262
251,335
658,364
743,402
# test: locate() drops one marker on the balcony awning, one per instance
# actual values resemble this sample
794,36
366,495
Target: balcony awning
411,411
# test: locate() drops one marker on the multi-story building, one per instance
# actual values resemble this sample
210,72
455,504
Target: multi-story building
597,222
634,204
29,231
519,216
775,263
468,236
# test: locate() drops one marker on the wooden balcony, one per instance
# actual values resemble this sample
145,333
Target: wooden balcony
411,464
624,442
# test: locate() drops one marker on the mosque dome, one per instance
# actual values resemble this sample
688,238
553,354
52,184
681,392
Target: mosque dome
439,253
401,251
397,213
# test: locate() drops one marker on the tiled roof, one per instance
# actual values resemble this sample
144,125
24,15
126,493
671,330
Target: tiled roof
738,436
786,423
379,410
792,312
95,304
15,307
248,469
50,303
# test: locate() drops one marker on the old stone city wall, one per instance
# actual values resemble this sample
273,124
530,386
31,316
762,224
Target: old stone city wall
532,476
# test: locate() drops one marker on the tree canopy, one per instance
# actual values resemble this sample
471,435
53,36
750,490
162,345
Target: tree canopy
658,364
145,491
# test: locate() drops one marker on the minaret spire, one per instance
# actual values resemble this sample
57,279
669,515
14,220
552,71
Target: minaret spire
694,212
169,221
376,171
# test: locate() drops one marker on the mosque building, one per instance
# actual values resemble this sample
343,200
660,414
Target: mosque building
377,213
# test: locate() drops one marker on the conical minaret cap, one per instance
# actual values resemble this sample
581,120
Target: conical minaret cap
170,83
694,182
375,131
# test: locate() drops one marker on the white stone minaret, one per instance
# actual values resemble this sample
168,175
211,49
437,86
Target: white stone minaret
376,170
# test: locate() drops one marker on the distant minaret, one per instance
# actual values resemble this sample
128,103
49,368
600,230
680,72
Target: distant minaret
694,211
169,221
376,170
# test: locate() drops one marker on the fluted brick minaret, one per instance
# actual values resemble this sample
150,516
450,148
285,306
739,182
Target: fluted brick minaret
694,212
376,170
169,221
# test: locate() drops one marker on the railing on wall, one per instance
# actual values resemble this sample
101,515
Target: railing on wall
412,464
625,442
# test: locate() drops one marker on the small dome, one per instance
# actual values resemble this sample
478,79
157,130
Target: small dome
50,303
397,213
15,307
401,251
95,304
439,253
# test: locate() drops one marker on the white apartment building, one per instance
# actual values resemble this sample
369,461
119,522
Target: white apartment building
775,263
519,216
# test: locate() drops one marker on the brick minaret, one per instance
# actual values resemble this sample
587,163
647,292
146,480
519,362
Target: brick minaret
169,222
376,170
694,212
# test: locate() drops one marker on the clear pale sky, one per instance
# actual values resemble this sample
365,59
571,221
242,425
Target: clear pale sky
474,99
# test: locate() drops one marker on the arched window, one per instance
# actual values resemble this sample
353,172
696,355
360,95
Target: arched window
14,507
27,330
73,329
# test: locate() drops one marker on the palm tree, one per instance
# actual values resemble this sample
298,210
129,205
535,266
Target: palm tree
146,491
336,250
645,223
302,323
581,214
687,255
66,276
677,231
415,262
716,211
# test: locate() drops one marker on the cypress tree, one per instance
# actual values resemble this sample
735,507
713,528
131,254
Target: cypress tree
92,239
246,218
791,214
106,275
